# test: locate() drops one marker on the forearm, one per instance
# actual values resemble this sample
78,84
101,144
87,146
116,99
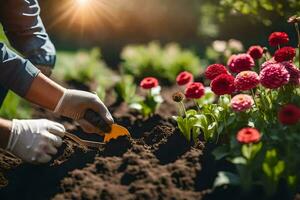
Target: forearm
5,129
44,92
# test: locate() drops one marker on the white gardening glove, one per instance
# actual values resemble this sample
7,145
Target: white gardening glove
34,140
74,104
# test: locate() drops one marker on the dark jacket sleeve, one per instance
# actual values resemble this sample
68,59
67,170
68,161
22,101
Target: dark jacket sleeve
17,73
26,32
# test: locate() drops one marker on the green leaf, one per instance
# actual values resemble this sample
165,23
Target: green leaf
220,152
191,112
226,178
239,161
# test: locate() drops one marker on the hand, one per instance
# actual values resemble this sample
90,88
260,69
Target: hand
74,104
35,141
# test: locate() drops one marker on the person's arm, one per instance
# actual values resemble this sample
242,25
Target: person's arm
5,129
26,32
69,103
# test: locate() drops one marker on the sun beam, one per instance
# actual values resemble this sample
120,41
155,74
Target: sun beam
86,14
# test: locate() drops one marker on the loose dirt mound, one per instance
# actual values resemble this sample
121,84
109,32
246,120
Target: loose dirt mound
155,163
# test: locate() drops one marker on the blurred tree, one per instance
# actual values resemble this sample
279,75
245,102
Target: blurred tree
262,10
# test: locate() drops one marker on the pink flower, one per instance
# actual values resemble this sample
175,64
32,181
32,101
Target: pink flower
274,76
248,135
240,62
246,80
271,61
241,102
293,71
256,52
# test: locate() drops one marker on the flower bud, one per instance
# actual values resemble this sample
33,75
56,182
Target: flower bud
178,96
294,19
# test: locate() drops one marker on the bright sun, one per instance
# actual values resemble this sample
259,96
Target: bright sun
82,2
86,13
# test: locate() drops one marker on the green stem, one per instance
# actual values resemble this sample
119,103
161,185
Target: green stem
183,108
253,96
197,105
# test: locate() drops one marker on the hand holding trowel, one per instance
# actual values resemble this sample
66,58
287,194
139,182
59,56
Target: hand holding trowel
82,108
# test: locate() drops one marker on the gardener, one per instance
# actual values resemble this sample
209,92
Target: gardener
36,140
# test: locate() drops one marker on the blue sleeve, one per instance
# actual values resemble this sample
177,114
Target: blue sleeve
17,73
25,31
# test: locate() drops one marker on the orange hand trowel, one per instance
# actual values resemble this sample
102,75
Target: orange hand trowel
109,131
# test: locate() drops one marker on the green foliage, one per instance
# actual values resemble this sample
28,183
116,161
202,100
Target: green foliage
126,90
148,106
14,107
153,60
261,9
84,66
189,124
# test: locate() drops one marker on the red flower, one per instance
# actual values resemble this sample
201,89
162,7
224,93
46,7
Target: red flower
184,78
248,135
256,52
293,71
240,62
274,76
149,82
223,84
289,114
278,38
285,54
194,90
241,102
214,70
246,80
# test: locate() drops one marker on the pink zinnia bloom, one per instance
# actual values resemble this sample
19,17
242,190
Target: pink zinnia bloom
293,71
271,61
246,80
248,135
274,76
241,102
240,62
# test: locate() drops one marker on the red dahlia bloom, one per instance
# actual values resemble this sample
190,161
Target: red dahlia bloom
240,62
256,52
194,90
285,54
293,71
248,135
246,80
149,82
214,70
223,84
274,76
241,102
278,38
289,114
184,78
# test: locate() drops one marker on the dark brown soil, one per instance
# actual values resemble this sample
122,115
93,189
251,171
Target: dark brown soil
155,163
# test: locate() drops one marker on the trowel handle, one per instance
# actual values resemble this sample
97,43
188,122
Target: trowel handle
96,120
